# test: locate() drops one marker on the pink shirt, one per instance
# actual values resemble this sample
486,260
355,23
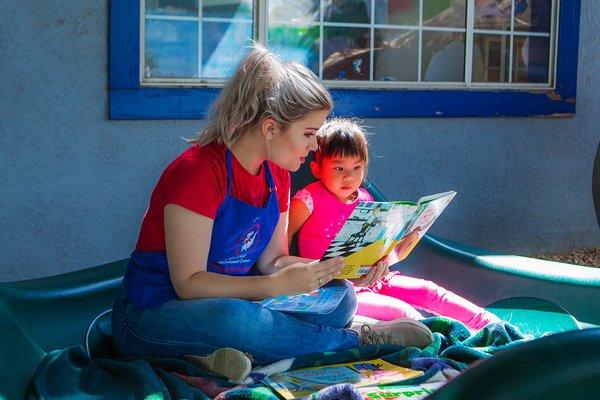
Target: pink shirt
327,215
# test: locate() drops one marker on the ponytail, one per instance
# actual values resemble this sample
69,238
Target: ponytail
262,86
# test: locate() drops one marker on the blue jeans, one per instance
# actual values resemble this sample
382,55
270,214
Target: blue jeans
200,326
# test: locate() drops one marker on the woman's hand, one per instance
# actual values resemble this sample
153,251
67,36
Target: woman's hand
305,277
379,270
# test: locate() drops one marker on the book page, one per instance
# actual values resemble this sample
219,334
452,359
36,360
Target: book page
321,301
367,235
421,220
450,195
429,211
301,383
386,231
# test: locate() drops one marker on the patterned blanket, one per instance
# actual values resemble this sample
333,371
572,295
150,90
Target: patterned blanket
70,373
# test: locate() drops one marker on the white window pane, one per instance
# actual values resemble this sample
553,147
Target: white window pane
492,14
346,53
171,49
354,11
187,8
397,12
491,58
533,15
530,59
396,55
443,57
296,43
238,9
445,13
297,12
221,47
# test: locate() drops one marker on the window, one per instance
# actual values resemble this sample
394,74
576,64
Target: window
408,43
193,41
381,58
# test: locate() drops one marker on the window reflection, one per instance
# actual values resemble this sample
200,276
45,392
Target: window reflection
354,11
443,56
296,43
294,12
188,8
396,55
221,44
171,49
533,15
237,9
445,13
397,12
182,41
346,53
197,39
293,31
491,58
492,14
530,59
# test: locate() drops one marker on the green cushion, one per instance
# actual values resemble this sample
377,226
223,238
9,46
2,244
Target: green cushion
484,277
40,315
19,357
533,315
55,311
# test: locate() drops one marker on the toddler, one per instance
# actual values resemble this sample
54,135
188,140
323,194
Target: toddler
318,211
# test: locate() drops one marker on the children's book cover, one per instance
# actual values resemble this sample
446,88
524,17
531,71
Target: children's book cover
400,392
301,383
321,301
386,231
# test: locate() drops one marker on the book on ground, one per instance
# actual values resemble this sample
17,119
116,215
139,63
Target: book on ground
301,383
321,301
385,231
400,392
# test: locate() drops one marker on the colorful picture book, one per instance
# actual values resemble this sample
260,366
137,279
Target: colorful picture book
384,230
400,392
321,301
301,383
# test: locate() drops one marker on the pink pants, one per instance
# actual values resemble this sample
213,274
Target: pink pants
396,295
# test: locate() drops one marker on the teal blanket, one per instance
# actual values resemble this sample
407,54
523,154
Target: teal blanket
70,373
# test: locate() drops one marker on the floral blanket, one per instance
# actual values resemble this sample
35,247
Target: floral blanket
70,373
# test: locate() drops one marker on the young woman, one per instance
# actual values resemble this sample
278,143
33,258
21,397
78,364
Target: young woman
214,237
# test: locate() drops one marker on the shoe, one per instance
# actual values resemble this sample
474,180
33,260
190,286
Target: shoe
228,362
402,331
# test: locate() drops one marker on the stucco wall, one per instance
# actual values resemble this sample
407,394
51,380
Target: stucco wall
75,185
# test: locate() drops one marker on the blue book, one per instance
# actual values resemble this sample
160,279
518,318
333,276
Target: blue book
321,301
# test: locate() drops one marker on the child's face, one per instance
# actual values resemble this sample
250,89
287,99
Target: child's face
342,176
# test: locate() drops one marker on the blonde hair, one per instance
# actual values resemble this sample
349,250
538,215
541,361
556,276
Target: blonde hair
262,86
342,137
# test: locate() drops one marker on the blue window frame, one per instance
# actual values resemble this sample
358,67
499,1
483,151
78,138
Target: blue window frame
129,100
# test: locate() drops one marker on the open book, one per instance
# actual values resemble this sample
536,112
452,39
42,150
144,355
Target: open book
320,301
376,230
300,383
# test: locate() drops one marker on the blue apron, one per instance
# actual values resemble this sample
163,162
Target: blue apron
240,234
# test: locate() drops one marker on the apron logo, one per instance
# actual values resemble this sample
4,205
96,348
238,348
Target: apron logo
248,240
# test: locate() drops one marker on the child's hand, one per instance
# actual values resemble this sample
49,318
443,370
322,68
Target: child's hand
402,249
379,270
306,277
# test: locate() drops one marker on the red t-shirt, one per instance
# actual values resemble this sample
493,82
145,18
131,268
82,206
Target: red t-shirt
197,180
